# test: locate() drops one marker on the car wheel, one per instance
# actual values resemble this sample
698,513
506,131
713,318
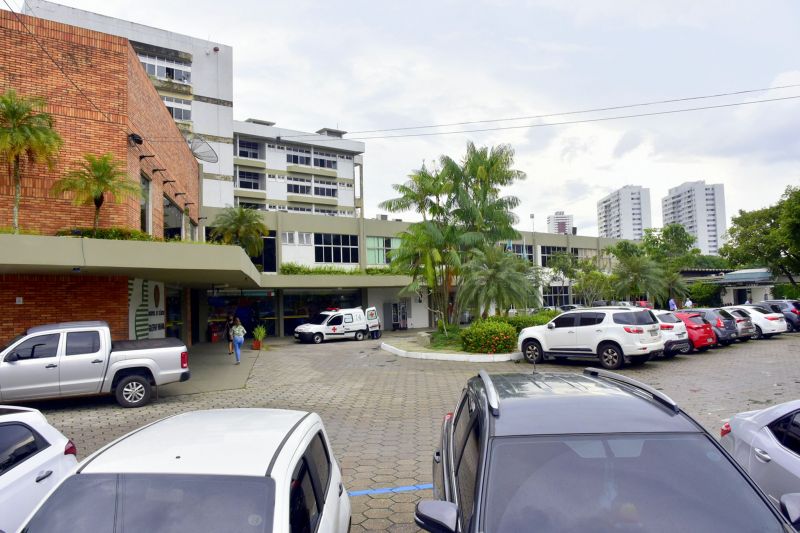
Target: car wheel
133,391
611,357
317,338
532,351
686,349
758,334
359,335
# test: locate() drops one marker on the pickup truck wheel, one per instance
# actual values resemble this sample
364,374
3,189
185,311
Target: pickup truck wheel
317,338
611,357
532,351
359,335
133,391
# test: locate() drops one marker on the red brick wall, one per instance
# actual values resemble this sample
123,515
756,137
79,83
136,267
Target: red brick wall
48,298
107,71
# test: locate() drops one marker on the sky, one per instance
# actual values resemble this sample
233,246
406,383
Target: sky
364,65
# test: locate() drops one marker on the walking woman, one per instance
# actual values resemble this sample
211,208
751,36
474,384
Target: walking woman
229,334
238,332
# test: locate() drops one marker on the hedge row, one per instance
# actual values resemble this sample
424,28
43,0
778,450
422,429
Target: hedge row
521,322
489,336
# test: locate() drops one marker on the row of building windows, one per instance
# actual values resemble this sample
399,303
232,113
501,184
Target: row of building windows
335,248
179,108
172,215
251,149
165,72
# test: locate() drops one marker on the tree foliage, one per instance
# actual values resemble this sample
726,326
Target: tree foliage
243,227
671,246
493,275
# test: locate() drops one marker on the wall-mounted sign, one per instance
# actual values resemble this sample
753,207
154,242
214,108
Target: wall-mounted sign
145,309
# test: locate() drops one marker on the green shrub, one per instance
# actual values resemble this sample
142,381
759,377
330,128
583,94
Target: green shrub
489,336
521,322
9,230
787,291
117,234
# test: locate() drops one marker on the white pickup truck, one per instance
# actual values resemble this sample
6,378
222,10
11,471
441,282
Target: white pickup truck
79,358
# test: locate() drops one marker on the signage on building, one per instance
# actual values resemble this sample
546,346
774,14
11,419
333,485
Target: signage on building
146,309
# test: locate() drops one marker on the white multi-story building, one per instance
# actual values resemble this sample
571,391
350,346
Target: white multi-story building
560,223
699,208
625,213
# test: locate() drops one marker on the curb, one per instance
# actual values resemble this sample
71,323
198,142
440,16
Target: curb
468,358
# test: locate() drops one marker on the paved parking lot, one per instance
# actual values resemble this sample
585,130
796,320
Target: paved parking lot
383,412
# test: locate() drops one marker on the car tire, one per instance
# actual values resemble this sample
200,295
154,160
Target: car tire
725,343
611,357
703,348
359,335
317,338
687,350
133,391
669,355
532,351
758,334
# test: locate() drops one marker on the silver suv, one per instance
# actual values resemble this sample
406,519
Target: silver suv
613,335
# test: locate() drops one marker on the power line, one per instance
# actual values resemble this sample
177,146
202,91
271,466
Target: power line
565,113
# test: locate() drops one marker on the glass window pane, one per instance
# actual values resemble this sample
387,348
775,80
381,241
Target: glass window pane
17,443
83,342
38,347
318,453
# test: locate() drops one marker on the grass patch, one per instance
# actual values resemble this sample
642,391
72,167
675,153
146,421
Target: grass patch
451,341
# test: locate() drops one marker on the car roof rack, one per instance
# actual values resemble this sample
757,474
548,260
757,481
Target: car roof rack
491,393
657,395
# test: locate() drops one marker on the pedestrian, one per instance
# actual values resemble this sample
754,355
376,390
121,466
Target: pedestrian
672,306
238,332
229,333
747,302
688,303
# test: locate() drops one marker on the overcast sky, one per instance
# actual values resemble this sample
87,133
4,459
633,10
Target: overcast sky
362,65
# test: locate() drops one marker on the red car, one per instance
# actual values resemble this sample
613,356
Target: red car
700,332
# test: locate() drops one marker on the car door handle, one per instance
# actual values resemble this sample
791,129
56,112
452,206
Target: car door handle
43,475
761,455
51,365
341,488
599,330
96,361
437,456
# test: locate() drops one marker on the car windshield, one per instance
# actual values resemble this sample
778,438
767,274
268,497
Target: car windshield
12,341
635,318
641,482
318,319
156,503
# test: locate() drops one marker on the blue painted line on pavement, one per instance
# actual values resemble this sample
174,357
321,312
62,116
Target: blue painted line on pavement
385,490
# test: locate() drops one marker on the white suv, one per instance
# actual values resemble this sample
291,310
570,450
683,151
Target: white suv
613,335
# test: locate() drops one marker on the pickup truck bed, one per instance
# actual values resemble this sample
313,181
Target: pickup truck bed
145,344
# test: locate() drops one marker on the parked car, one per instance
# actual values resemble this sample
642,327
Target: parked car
79,358
612,335
790,310
744,323
768,322
701,334
673,331
554,452
338,324
643,303
34,457
254,470
767,445
722,322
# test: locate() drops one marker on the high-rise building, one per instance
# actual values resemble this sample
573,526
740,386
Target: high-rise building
699,208
625,213
560,223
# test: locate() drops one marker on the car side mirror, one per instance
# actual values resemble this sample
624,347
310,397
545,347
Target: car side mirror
551,325
12,357
790,507
436,516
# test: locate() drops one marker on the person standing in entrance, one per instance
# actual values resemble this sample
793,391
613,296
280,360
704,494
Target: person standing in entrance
229,334
672,306
688,303
238,332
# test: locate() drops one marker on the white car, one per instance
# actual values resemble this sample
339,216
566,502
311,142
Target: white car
766,321
673,331
612,335
767,445
34,457
232,470
339,324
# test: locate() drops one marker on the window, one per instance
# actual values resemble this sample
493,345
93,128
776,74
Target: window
287,237
590,319
669,318
294,188
635,318
555,295
335,321
38,347
325,189
173,220
17,443
548,251
304,239
250,180
348,319
565,321
787,431
248,149
179,108
324,163
379,249
526,254
461,425
83,342
303,510
144,204
466,475
335,248
294,159
318,455
252,205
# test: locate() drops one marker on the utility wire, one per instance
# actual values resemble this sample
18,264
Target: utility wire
582,111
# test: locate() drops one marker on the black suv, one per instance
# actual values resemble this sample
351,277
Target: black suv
586,452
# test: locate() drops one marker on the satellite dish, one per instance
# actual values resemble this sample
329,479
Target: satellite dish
201,149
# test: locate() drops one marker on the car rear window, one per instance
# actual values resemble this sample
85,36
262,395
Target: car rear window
740,313
724,314
762,310
668,318
697,319
642,482
796,305
158,503
635,318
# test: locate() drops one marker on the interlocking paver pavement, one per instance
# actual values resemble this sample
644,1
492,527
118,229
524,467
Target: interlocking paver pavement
383,413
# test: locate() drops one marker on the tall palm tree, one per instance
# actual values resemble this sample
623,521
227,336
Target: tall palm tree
243,227
422,193
26,136
93,179
638,275
493,275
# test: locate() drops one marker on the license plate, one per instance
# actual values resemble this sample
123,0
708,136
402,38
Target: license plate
653,332
711,339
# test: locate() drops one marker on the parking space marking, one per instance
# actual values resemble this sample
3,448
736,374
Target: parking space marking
385,490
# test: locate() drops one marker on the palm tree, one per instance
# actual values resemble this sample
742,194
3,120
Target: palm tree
495,276
93,179
243,227
26,136
422,193
637,275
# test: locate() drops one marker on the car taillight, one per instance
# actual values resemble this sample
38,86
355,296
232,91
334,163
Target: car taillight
740,320
631,329
184,359
667,326
774,317
70,448
725,429
719,323
796,311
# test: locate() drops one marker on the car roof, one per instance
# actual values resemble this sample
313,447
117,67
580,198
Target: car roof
13,411
768,415
68,325
544,403
612,308
221,441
